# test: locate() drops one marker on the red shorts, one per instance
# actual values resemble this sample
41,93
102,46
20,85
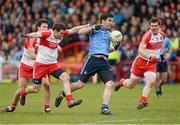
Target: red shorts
25,71
140,66
42,70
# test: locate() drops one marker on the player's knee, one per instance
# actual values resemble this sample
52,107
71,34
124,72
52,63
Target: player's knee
109,84
164,80
36,89
65,78
80,85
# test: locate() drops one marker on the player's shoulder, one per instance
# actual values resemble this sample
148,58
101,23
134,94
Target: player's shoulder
147,35
28,42
46,33
162,33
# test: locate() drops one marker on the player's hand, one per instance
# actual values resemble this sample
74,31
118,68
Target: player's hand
162,58
153,59
96,27
24,35
116,45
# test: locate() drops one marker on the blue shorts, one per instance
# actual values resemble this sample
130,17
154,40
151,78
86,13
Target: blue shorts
95,65
162,66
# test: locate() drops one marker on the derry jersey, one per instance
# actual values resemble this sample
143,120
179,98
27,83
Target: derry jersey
47,52
153,43
26,59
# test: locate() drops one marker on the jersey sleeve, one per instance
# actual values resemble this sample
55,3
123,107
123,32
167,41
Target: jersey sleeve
163,34
46,34
29,42
66,33
26,43
146,38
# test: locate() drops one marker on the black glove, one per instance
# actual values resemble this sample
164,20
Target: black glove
162,58
96,27
116,46
24,35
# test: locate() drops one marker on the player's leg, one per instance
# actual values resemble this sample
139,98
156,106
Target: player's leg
107,77
60,74
21,84
129,83
150,82
35,88
45,83
84,76
158,84
161,77
136,75
74,86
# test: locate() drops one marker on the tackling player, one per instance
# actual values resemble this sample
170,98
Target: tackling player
145,63
46,61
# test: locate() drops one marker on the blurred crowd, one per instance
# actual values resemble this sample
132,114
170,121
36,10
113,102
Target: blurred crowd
130,16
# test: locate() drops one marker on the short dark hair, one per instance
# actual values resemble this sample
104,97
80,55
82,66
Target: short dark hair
154,20
106,15
59,26
40,21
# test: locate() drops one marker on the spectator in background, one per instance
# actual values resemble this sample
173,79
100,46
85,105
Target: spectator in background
172,68
113,59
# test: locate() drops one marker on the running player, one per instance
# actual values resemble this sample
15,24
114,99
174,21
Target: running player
145,63
162,66
97,61
46,61
26,69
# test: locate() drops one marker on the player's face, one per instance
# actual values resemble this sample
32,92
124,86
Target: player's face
108,22
58,35
154,27
44,26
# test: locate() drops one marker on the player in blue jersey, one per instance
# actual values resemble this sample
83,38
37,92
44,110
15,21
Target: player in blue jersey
97,60
162,66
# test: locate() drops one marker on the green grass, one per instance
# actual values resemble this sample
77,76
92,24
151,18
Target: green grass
163,110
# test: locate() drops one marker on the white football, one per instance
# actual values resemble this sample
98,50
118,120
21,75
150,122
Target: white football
116,36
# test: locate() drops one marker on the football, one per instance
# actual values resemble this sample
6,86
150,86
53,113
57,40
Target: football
116,36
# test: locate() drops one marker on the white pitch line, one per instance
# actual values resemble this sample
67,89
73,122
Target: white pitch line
128,120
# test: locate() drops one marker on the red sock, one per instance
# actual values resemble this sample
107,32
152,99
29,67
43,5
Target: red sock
68,98
13,105
46,105
23,92
143,99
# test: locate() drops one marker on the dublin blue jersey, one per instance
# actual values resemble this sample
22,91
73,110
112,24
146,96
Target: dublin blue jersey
165,46
99,41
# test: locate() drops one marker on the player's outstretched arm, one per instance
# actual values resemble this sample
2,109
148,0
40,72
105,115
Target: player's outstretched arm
76,29
84,31
32,35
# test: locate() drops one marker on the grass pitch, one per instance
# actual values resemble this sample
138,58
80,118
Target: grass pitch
163,110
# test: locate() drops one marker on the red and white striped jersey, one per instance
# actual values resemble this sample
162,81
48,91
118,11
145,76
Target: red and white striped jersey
47,52
153,43
26,59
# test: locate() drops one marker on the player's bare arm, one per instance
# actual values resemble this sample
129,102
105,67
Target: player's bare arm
59,49
31,50
77,28
84,31
141,51
32,35
31,53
